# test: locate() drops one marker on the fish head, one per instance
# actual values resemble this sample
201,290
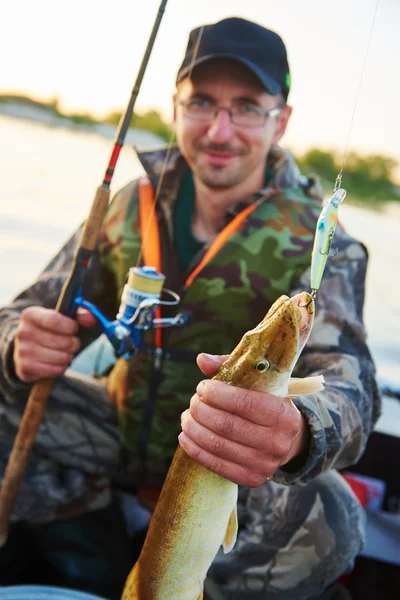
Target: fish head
266,355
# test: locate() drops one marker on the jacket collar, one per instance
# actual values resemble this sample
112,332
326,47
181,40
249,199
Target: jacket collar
285,174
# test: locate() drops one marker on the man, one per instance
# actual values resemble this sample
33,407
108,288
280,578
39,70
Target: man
300,525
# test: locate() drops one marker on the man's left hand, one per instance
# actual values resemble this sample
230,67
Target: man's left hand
242,435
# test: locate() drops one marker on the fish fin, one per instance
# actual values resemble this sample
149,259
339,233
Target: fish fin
231,532
131,587
306,385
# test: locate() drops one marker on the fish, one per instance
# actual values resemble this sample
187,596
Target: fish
196,512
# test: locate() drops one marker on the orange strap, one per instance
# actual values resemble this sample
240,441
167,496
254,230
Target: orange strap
226,233
151,237
151,251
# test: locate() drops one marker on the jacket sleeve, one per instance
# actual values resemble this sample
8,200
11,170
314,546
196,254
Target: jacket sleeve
342,416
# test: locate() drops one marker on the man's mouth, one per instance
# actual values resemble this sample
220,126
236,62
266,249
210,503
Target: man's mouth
219,157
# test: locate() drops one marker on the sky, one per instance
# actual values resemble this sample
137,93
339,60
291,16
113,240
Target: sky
87,53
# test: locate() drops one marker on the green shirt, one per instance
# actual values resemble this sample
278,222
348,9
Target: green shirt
187,245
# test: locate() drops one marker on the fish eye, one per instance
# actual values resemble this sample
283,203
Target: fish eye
262,365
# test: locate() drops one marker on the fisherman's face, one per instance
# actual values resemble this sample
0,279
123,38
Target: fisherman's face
220,153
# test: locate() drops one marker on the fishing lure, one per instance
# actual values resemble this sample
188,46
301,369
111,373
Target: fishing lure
324,232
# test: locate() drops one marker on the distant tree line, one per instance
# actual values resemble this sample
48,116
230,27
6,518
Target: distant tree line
368,178
151,120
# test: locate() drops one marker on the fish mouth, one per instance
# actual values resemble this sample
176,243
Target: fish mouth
298,311
285,329
304,310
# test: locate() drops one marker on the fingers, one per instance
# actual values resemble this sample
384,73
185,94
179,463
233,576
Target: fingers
44,344
274,442
30,371
234,461
257,407
233,472
49,320
210,363
29,336
33,362
242,435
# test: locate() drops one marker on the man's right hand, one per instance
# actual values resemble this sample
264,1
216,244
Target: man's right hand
46,342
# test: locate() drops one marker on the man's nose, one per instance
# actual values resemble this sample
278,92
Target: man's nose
220,129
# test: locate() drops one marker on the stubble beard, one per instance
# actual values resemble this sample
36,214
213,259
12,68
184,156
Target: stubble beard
215,176
218,178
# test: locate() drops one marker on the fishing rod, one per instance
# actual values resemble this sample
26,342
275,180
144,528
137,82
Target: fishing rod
70,299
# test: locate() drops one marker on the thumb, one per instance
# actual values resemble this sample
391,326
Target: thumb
210,363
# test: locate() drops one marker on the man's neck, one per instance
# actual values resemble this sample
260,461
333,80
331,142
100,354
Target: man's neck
211,205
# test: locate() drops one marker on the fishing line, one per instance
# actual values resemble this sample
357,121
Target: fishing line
167,155
328,219
338,182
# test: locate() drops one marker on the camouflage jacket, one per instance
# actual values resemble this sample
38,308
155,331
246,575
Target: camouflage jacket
341,417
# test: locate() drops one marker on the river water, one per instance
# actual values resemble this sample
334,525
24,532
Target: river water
48,176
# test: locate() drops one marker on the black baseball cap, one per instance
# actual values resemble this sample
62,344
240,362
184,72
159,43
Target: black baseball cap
259,49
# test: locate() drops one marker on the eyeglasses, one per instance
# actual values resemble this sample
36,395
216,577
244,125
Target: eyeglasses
245,115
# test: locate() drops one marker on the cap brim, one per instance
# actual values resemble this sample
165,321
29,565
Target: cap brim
266,80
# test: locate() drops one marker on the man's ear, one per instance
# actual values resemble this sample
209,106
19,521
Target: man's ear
282,121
